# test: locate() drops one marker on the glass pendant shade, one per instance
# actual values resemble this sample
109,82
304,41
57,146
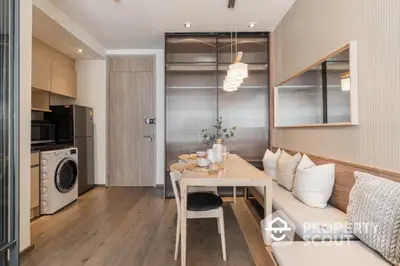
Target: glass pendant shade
233,80
231,84
238,70
345,84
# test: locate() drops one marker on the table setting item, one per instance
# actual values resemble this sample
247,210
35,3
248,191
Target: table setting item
203,162
201,154
187,157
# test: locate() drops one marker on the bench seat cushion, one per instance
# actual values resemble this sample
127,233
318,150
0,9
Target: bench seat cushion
311,223
301,253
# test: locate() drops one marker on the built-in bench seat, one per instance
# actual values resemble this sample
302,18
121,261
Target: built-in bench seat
310,222
320,252
353,253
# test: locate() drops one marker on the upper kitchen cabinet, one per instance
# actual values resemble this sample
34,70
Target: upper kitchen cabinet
52,71
63,80
41,67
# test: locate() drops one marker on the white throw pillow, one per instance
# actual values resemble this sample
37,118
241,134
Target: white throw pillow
269,162
286,168
313,184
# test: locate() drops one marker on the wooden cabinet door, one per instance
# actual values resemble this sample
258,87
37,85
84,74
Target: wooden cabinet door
63,80
41,67
35,186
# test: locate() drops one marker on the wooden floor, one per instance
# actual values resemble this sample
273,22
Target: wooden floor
135,226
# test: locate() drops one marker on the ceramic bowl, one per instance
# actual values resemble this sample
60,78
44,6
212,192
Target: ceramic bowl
201,154
203,162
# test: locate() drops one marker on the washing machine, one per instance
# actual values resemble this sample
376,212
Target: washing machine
58,179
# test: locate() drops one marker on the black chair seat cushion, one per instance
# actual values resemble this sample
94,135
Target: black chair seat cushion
203,201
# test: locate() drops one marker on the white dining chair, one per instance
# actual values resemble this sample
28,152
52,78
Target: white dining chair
199,205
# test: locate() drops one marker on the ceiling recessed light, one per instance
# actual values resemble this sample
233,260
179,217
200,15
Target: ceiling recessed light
80,50
187,25
252,24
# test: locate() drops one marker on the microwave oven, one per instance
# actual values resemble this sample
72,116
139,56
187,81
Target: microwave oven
42,132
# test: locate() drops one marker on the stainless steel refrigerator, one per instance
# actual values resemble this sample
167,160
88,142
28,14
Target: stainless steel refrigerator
74,125
84,142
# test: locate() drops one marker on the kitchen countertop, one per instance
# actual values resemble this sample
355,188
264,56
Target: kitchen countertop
49,147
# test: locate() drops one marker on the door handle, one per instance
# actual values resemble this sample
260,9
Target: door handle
150,121
150,139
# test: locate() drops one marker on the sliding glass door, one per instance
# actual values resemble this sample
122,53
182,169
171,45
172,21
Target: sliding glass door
9,249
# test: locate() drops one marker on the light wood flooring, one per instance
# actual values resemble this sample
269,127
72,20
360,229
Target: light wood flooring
136,226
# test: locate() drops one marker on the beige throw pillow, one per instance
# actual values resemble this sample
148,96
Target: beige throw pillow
269,162
286,168
313,184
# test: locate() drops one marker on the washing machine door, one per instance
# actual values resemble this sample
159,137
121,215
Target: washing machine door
66,175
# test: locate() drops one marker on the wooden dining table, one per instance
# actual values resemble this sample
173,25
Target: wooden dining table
236,173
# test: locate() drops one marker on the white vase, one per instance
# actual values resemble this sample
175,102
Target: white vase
218,152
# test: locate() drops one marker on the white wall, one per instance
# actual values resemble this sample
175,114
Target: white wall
314,28
25,122
160,107
92,92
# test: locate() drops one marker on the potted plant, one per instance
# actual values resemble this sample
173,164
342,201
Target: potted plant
217,131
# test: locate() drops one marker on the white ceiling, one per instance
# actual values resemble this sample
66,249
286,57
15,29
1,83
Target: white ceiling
141,24
54,35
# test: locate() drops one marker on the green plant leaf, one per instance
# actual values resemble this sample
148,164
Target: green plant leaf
234,128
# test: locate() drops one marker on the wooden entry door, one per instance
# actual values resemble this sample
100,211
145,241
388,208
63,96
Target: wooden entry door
131,100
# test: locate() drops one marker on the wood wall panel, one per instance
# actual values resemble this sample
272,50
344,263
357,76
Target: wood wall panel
314,28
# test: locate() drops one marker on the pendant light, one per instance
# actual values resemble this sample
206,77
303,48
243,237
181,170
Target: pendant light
237,71
345,81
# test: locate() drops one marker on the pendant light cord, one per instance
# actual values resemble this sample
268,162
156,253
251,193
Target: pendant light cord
231,47
236,44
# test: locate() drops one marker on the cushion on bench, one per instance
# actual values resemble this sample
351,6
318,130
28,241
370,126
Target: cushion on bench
311,223
302,253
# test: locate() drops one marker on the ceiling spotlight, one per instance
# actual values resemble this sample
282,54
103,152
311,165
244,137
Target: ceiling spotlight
80,50
252,25
187,25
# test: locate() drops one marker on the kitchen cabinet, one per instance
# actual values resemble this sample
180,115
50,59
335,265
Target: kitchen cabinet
40,100
52,72
41,70
35,185
63,80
